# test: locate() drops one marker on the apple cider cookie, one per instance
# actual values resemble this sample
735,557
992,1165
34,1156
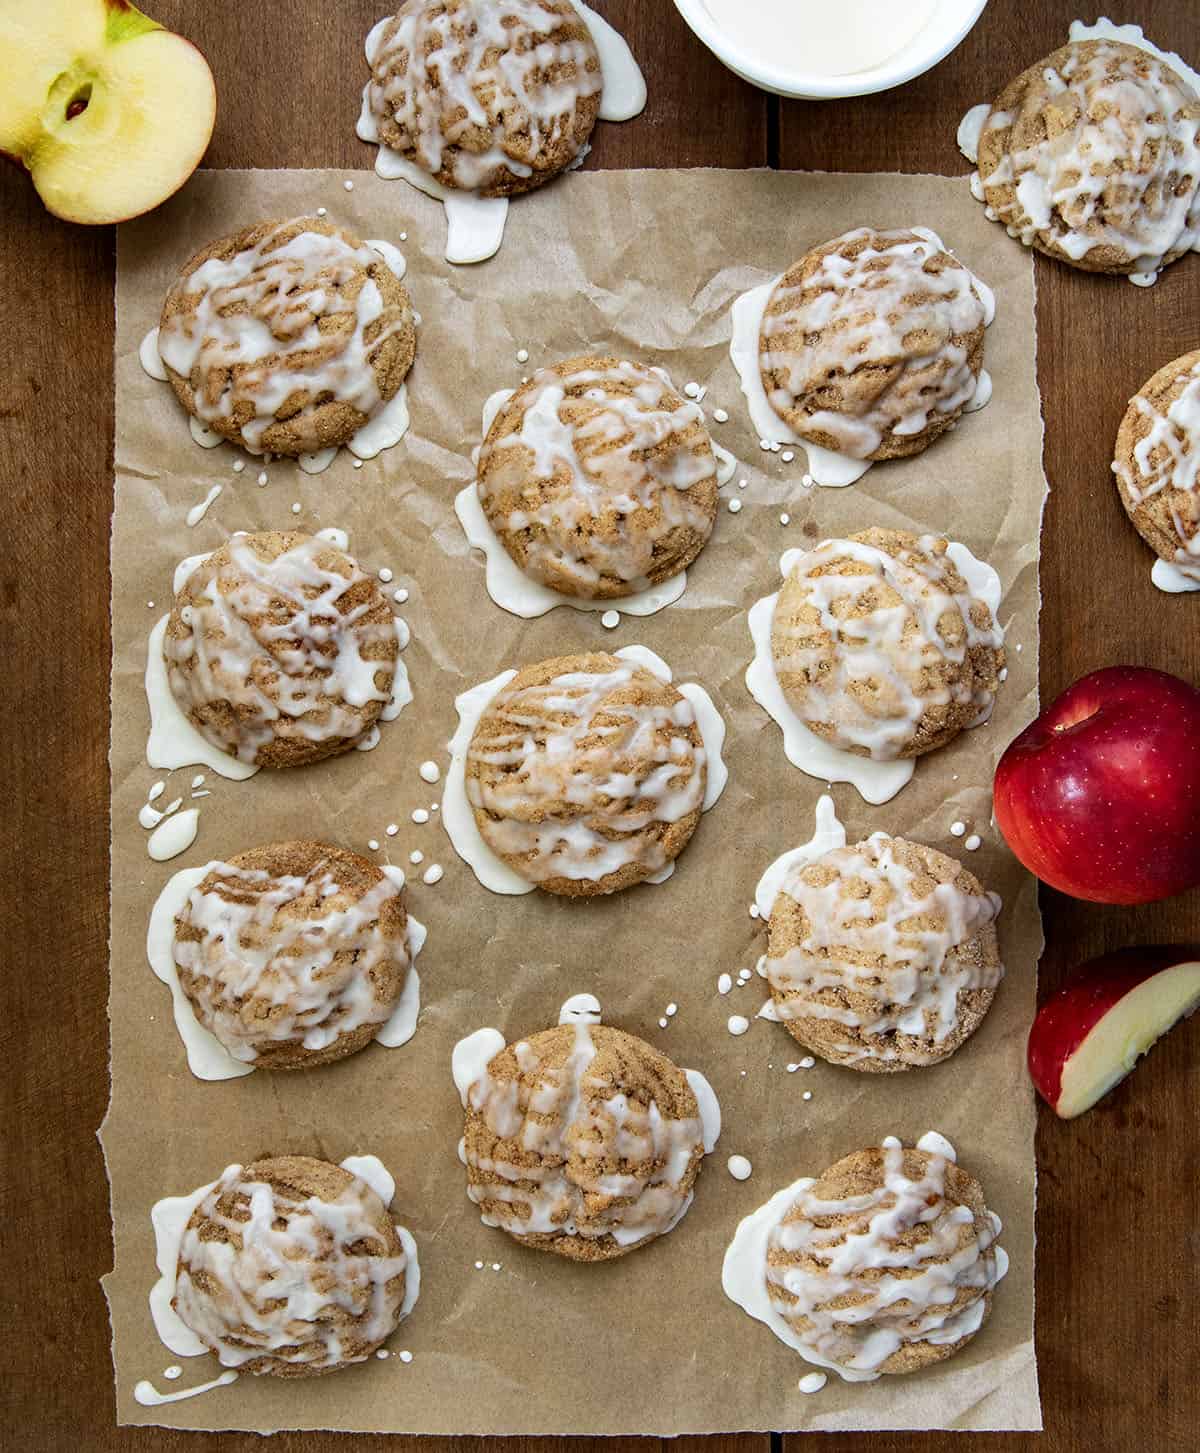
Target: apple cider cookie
294,954
598,478
1091,157
280,650
490,96
882,956
582,1139
346,1265
872,344
586,774
881,647
1157,463
287,337
886,1263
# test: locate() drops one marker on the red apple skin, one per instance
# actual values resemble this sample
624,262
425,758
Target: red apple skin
1100,796
1067,1018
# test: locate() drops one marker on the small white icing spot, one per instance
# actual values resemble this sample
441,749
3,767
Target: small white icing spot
721,416
429,772
973,842
739,1167
812,1382
724,984
198,511
737,1024
433,874
581,1009
610,620
174,836
957,829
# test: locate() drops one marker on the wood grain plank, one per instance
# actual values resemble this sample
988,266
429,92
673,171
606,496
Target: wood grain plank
1117,1339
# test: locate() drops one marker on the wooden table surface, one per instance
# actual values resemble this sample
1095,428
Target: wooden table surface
1118,1202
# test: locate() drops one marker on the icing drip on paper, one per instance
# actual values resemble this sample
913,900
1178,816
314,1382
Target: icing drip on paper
253,333
567,1118
842,1281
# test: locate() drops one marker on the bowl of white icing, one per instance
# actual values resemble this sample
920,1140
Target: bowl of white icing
822,49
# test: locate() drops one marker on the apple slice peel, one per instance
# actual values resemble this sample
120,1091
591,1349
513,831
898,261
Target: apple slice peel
1089,1035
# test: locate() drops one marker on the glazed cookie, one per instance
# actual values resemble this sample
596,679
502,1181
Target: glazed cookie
280,650
881,648
872,344
491,96
287,337
1157,463
883,956
598,478
586,774
1091,157
581,1140
292,1267
886,1262
294,954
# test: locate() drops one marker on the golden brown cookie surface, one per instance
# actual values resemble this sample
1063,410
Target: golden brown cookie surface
492,96
598,478
582,1140
886,1263
293,954
872,344
883,956
881,647
346,1265
1157,462
586,774
287,337
1091,157
280,650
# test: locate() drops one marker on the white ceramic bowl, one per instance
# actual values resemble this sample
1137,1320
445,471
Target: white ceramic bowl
949,23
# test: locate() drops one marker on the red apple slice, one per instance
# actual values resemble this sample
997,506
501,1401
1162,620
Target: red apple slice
107,111
1088,1036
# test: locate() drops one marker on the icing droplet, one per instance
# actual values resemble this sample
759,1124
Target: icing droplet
739,1167
610,619
738,1024
973,842
812,1382
734,506
430,772
724,984
721,416
433,874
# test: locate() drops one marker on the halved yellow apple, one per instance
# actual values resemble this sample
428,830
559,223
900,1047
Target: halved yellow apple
107,111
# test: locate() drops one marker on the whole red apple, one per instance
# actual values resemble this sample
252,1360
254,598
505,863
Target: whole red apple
1100,796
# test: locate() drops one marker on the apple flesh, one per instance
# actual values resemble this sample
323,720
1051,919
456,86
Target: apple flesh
1088,1036
107,111
1100,796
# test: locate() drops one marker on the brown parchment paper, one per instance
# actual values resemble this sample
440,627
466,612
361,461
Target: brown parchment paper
643,264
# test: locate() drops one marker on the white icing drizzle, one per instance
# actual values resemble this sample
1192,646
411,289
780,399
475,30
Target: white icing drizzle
543,1112
173,836
457,817
148,1395
876,782
204,436
895,648
1122,169
149,358
874,337
609,446
254,324
269,968
861,937
207,1057
313,660
624,93
474,223
828,835
970,129
1167,458
854,314
845,1265
576,849
275,1290
1172,580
